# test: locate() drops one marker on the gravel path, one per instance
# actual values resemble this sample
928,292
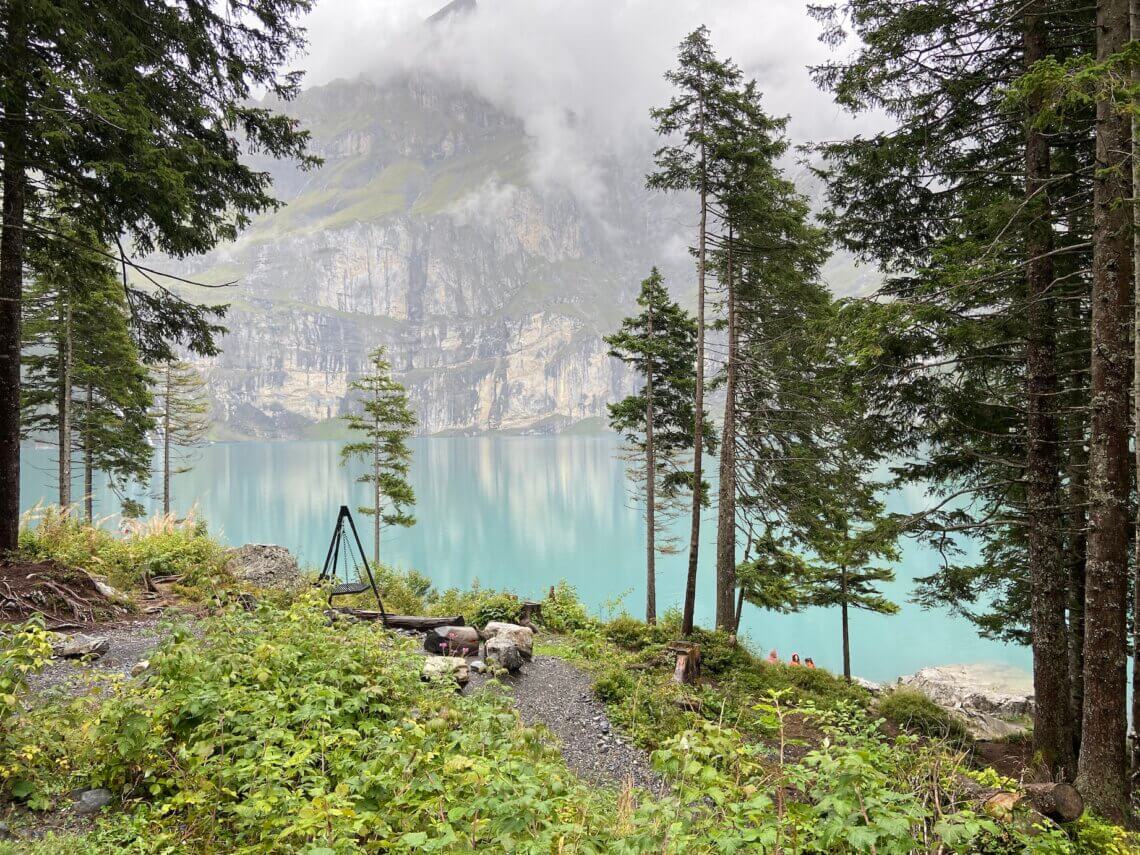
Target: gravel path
553,692
131,641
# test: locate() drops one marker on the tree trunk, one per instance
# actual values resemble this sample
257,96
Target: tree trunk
739,611
1134,28
1052,740
376,498
845,623
699,409
13,131
650,491
726,519
1102,776
88,463
1075,559
166,442
63,399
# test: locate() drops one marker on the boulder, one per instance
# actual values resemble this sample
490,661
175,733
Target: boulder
140,667
452,641
505,652
265,566
984,697
522,636
478,666
870,685
446,668
993,689
92,801
79,645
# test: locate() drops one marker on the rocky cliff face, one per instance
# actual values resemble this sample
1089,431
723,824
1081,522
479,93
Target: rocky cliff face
424,232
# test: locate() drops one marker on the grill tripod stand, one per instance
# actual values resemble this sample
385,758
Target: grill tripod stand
339,547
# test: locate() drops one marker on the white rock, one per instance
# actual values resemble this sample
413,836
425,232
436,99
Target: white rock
870,685
522,636
446,668
79,645
478,666
984,697
264,565
139,667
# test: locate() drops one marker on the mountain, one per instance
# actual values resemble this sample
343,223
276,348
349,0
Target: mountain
425,232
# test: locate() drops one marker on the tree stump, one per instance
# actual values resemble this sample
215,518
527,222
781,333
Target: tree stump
688,669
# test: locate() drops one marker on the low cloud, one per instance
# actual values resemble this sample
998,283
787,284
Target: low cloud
580,74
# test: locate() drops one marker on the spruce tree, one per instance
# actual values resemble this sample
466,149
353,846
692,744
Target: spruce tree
1102,772
660,345
842,575
386,423
772,577
76,324
690,122
132,118
967,369
182,414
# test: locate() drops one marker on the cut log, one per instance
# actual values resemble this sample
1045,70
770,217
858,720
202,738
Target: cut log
530,613
1058,802
688,669
452,640
416,622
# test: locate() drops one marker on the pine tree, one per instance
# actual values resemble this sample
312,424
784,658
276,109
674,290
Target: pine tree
182,414
772,577
767,261
691,121
842,576
76,324
386,423
132,118
660,345
968,372
1102,765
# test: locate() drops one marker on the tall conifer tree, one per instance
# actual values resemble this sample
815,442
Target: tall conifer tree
690,123
132,118
657,421
386,424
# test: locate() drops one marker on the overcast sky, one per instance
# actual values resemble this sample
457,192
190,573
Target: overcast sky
598,61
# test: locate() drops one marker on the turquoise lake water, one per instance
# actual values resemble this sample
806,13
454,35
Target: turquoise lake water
524,513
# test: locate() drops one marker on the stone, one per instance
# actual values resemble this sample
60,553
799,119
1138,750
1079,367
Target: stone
870,685
522,636
139,667
993,701
80,645
505,652
446,668
478,666
452,641
92,801
107,591
265,565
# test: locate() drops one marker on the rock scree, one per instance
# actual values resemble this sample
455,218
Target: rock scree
265,565
985,697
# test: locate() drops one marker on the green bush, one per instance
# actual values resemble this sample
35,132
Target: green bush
913,711
614,686
497,607
564,612
632,634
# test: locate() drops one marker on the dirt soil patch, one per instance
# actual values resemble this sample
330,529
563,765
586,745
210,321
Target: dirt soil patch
62,594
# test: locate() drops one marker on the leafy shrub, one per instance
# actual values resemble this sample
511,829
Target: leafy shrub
632,634
614,686
564,612
500,607
25,650
913,711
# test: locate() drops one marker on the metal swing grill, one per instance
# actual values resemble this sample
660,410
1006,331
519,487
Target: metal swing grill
340,554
